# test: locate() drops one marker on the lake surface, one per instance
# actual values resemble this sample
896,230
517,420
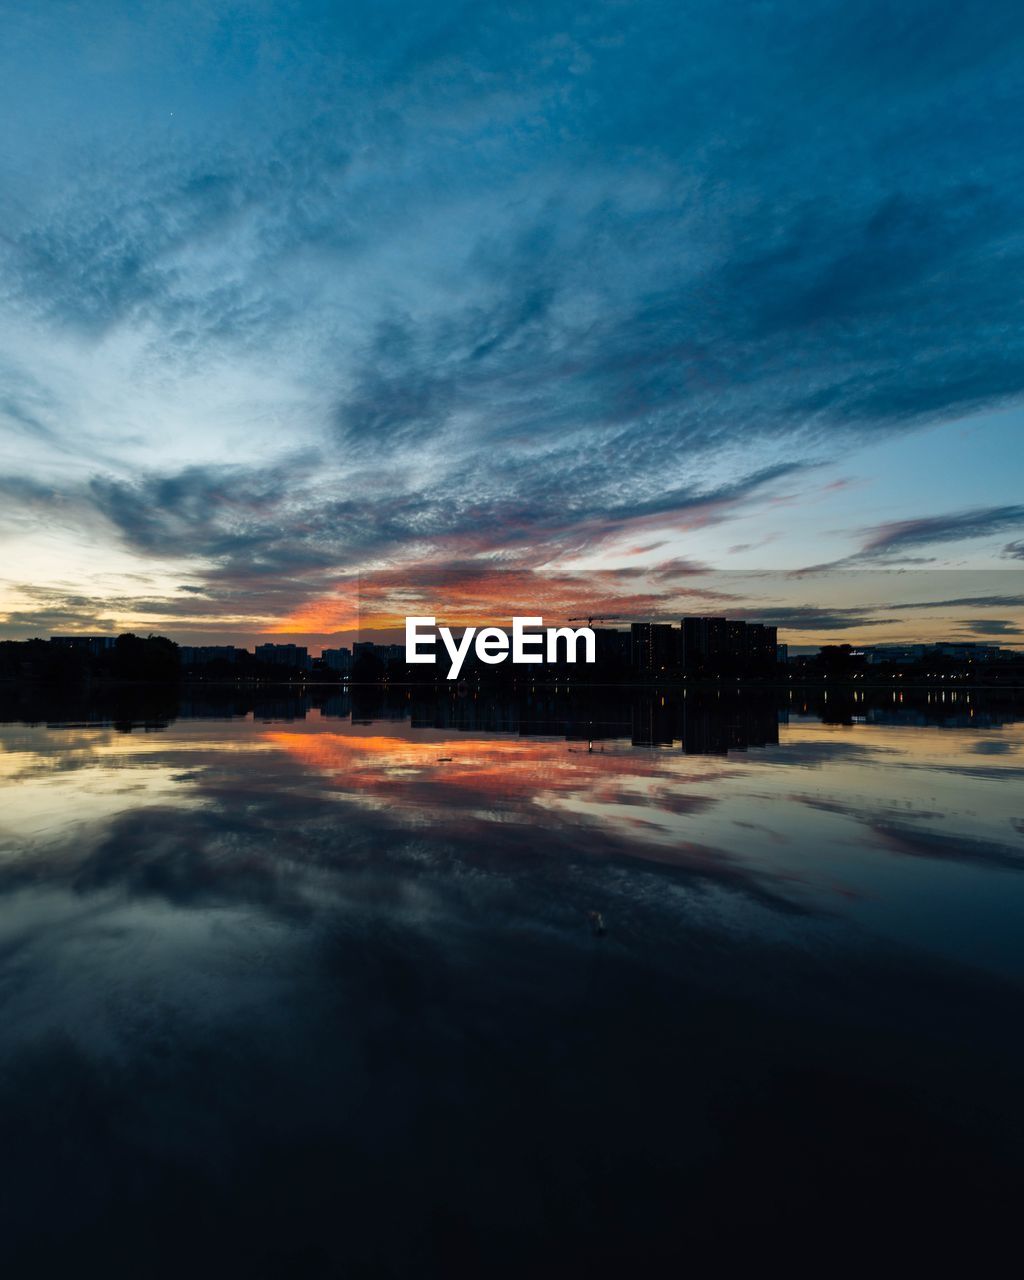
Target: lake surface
311,986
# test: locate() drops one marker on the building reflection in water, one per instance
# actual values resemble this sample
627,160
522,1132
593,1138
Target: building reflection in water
697,722
299,965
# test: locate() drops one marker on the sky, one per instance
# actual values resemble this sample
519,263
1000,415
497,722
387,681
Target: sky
656,308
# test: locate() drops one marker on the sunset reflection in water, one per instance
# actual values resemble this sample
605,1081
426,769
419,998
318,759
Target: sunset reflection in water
380,919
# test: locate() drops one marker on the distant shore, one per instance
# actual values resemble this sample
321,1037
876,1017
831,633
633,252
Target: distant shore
675,683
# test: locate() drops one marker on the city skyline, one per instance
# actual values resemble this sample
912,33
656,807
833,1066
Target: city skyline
402,295
693,633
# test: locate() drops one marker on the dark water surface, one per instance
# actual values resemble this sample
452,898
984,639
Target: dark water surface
296,986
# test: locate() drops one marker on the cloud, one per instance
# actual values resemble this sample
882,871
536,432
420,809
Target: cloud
263,521
209,511
25,492
678,568
521,280
898,539
994,601
810,617
895,536
277,545
992,627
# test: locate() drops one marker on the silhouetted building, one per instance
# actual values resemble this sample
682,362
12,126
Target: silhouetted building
717,640
906,655
284,655
202,655
762,647
967,651
381,652
727,646
736,643
900,655
339,660
653,646
705,643
88,644
612,648
695,643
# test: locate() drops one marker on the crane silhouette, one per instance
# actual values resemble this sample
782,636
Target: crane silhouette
608,617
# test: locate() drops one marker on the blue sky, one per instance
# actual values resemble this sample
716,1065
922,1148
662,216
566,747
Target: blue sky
297,290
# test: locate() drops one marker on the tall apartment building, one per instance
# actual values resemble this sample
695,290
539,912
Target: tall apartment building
727,645
284,655
653,646
339,660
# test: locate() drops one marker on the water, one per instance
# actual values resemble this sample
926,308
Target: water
301,986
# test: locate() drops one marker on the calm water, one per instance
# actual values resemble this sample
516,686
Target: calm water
302,987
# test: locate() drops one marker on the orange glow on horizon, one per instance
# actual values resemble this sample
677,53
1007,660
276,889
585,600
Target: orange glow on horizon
470,594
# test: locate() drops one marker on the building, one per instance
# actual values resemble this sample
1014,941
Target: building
706,642
200,655
653,646
694,643
612,648
381,652
967,651
718,647
736,640
727,646
284,655
906,655
899,655
89,644
762,646
339,660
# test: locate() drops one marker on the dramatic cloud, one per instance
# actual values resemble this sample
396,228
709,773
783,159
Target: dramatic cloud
321,290
979,523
